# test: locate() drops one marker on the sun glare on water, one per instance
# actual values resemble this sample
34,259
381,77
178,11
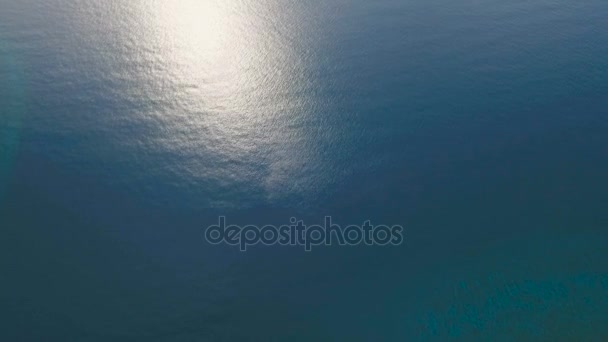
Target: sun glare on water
237,77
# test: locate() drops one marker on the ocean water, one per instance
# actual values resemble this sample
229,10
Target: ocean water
128,127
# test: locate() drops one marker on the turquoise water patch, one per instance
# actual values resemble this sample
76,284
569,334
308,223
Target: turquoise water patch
545,289
12,106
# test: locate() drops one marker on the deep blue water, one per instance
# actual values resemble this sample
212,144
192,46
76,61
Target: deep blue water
127,127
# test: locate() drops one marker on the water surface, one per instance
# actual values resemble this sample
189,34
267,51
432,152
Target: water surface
127,127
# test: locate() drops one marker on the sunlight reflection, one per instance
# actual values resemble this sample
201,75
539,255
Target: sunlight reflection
238,74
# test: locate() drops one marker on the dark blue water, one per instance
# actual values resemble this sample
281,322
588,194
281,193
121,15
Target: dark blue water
127,127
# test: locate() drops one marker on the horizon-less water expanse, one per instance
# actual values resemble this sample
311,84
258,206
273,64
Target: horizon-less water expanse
128,127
